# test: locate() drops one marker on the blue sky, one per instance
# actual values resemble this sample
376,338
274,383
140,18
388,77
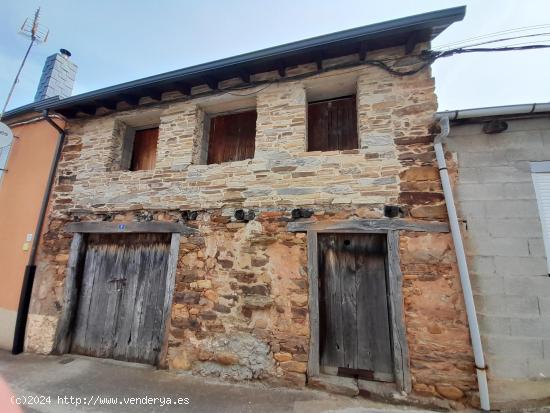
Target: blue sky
117,41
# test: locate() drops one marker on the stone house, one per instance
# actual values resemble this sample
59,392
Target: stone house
276,215
501,189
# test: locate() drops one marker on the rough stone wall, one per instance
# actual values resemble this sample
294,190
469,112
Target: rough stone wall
497,203
240,306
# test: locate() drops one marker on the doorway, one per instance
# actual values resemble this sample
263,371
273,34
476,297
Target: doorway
355,335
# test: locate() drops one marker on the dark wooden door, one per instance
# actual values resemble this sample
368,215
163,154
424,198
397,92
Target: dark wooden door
355,338
121,299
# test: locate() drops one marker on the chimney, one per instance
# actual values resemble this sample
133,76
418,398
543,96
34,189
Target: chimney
57,77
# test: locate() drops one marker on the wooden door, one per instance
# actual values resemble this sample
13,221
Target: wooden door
121,298
355,338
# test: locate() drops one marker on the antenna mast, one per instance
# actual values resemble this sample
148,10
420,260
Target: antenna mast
31,30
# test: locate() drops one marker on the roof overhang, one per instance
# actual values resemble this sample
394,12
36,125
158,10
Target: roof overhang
407,31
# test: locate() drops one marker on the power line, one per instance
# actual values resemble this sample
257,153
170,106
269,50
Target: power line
508,31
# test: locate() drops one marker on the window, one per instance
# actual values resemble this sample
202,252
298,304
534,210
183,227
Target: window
232,137
332,124
140,149
541,181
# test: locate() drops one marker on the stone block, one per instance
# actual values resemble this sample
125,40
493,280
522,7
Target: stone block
334,384
530,327
513,347
519,266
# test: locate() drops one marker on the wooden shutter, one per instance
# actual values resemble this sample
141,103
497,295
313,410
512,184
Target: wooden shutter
332,125
232,137
144,154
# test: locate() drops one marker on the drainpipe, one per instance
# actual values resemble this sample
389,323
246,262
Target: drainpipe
481,368
30,269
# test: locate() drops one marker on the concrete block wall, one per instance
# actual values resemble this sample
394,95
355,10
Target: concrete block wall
503,234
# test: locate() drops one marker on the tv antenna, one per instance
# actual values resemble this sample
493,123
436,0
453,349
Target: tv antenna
32,30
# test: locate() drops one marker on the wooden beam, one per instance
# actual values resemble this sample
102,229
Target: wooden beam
362,51
313,282
154,94
108,104
244,75
168,297
183,88
319,62
397,317
130,99
88,110
211,82
367,225
412,41
70,295
281,68
128,227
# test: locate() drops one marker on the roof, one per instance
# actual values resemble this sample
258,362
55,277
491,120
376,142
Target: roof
404,31
527,109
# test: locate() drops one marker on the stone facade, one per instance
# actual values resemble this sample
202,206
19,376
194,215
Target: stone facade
240,307
504,243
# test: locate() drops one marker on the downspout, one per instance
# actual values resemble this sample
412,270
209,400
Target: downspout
30,269
481,368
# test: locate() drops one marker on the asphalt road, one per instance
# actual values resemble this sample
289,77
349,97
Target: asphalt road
74,383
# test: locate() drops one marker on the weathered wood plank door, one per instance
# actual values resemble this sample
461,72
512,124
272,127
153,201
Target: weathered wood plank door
355,338
121,299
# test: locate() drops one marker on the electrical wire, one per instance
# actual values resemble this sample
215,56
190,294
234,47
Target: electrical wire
516,30
505,39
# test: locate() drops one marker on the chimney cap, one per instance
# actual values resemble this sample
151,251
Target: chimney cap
65,52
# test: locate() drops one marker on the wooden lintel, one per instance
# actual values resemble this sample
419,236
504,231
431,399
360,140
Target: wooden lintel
381,225
128,227
130,99
412,41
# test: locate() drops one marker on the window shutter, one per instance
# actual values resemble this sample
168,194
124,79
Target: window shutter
332,125
144,155
541,182
232,137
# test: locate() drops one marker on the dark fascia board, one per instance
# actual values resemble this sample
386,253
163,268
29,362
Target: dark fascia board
31,107
391,33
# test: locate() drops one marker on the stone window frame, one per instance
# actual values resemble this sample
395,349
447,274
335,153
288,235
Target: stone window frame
127,148
333,94
209,110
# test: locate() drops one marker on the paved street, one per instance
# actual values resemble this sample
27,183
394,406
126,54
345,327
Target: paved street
52,381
